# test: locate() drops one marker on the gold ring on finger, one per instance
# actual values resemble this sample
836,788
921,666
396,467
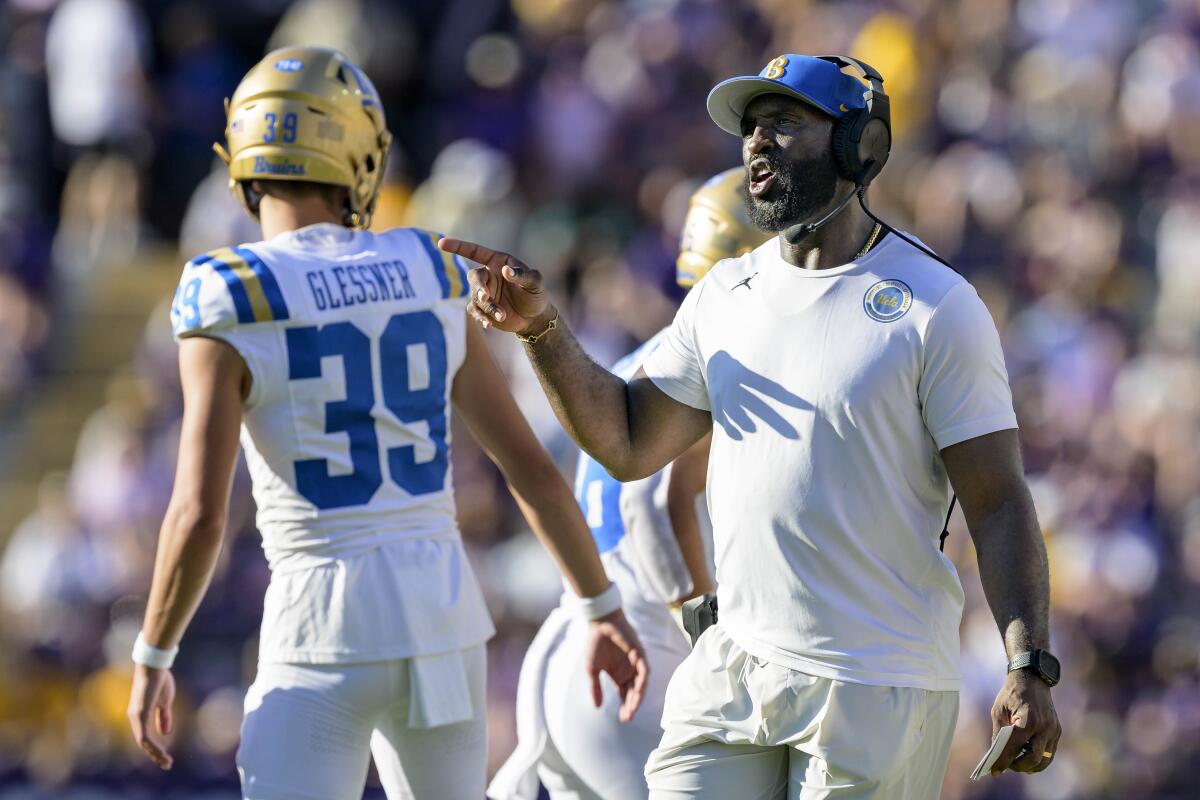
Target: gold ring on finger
1047,754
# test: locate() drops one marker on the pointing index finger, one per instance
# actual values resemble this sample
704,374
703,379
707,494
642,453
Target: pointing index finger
493,259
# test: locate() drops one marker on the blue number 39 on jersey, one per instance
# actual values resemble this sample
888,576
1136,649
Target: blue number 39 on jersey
404,335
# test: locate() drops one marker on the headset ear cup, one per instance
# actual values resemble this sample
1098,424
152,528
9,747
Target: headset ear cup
845,150
873,148
861,143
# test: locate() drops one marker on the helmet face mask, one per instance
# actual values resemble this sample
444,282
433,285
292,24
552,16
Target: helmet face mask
717,227
307,114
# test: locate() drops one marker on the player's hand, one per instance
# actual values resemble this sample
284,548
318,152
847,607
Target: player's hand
504,292
150,711
615,649
1025,703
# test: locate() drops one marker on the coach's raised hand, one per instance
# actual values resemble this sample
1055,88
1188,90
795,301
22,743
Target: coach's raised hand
504,292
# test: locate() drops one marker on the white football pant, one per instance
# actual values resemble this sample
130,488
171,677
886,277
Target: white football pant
737,726
581,752
309,729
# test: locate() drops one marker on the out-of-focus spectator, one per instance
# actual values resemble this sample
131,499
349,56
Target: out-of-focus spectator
44,556
23,332
100,221
199,70
95,56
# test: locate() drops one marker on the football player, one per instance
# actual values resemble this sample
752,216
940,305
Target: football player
336,352
656,544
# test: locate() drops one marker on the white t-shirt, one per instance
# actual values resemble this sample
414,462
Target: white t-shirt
832,393
353,340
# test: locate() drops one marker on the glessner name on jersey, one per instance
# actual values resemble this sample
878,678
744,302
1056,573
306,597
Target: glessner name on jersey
341,285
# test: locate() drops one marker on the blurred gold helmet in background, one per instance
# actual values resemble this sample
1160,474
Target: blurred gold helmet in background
716,227
307,114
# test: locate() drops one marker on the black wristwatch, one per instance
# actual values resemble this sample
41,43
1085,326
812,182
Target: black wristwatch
1041,662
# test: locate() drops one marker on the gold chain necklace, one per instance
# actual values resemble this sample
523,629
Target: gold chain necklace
870,242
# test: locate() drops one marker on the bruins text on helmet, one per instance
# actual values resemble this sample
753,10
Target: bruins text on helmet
716,227
307,114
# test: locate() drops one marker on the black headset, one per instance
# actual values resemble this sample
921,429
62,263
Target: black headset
861,142
862,138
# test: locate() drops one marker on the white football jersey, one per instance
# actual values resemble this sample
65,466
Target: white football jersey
353,340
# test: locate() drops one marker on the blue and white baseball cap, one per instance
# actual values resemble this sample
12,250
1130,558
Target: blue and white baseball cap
814,80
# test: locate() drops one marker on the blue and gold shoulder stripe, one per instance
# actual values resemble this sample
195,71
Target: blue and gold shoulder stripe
256,294
450,270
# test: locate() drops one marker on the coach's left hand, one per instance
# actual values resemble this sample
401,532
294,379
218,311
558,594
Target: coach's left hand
1025,703
615,649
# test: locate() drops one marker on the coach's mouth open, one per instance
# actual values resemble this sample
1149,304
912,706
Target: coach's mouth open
761,178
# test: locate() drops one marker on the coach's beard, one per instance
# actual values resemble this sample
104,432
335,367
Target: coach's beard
802,190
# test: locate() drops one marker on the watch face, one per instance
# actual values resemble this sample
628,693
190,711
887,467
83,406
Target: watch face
1049,667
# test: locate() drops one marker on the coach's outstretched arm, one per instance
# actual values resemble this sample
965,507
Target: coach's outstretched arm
986,473
633,429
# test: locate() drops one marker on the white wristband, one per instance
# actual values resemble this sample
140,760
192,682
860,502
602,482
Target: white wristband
150,656
600,605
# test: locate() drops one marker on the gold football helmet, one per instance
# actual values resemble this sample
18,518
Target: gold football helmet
307,114
716,227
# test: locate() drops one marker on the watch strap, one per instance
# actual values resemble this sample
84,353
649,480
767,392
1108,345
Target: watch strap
1021,660
1035,659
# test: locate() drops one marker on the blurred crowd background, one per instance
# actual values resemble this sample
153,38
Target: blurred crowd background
1050,148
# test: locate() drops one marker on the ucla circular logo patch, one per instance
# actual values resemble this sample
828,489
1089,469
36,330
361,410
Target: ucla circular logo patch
887,301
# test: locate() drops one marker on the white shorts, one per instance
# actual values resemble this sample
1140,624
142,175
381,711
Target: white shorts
580,752
309,729
738,726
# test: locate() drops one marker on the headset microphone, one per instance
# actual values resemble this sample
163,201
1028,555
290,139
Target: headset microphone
808,228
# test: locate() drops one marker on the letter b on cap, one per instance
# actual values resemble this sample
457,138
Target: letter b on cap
776,68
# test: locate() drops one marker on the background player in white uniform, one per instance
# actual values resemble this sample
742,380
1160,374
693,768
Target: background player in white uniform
848,380
337,352
655,540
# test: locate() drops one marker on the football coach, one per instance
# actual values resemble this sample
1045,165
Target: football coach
851,381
